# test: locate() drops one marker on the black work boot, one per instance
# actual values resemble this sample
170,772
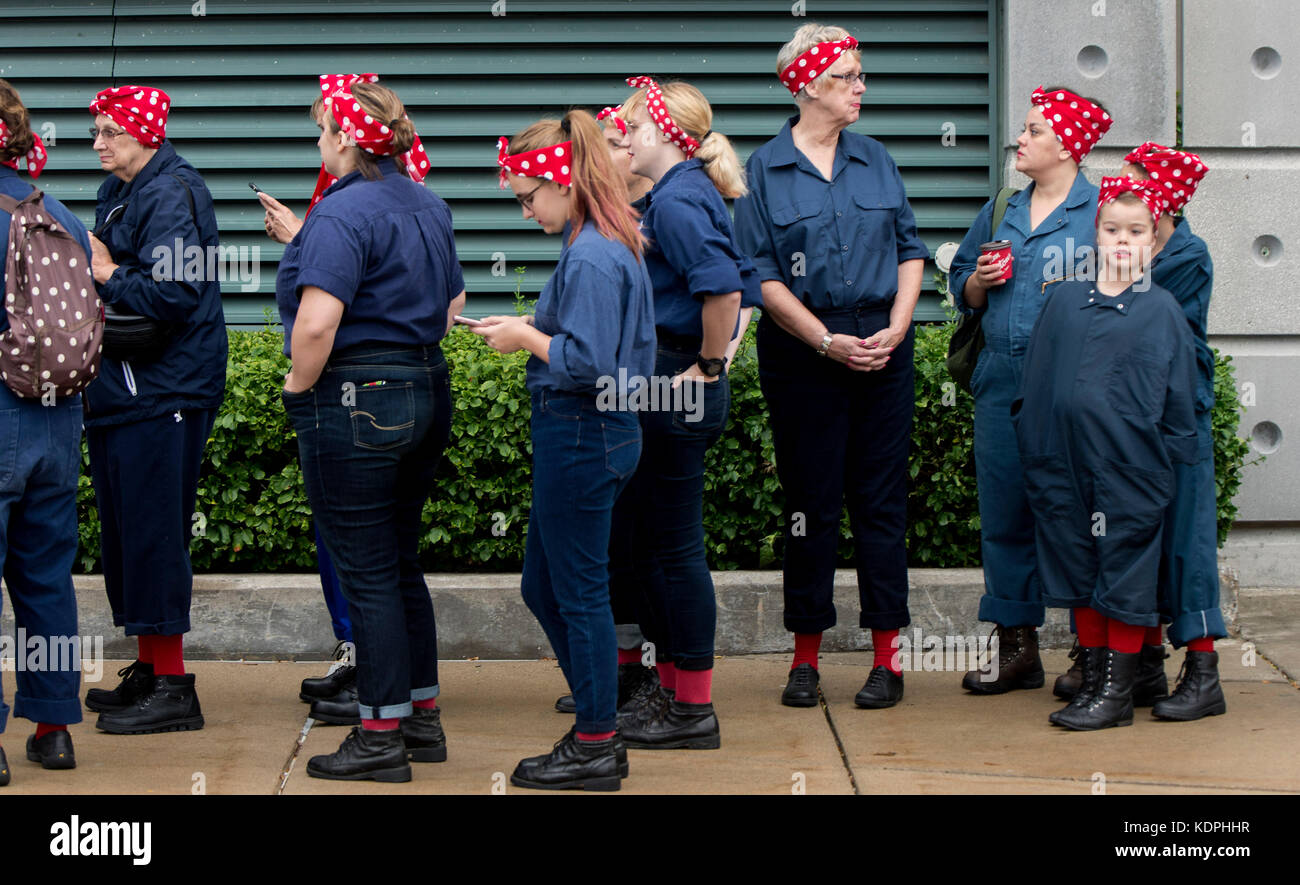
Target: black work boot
566,704
172,705
801,687
572,765
1018,664
1198,692
323,687
1068,683
1151,684
53,751
635,681
1112,705
365,755
137,680
674,726
4,769
341,709
422,732
1088,660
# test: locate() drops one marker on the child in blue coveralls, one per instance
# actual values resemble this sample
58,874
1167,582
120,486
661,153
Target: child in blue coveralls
1104,413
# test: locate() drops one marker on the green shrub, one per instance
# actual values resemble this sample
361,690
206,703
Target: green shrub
253,514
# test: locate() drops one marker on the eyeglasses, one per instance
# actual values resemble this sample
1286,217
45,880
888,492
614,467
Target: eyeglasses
527,199
109,134
849,78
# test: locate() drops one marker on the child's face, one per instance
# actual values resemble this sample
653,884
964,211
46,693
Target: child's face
1125,237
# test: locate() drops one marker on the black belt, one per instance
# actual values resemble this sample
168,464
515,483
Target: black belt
681,343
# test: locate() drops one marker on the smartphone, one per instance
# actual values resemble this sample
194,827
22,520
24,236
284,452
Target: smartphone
257,190
466,321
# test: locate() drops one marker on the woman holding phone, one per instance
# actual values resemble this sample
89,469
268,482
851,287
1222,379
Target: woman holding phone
593,323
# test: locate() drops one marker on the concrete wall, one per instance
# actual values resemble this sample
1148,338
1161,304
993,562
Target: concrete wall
1237,68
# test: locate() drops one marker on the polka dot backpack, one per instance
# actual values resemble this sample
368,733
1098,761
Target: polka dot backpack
56,324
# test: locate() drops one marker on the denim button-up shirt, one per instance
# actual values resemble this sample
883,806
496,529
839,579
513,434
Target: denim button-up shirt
834,244
1061,246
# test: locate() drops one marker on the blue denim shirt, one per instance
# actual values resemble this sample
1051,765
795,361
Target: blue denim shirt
598,308
693,251
1060,246
385,249
1184,267
836,243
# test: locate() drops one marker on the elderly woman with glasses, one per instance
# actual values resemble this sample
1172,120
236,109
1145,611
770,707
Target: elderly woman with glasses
829,226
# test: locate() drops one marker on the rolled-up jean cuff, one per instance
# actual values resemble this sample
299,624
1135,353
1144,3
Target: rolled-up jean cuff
391,711
51,711
895,620
1011,612
600,726
4,717
1070,602
628,636
1206,624
423,694
1134,618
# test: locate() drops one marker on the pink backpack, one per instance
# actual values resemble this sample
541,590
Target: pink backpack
56,323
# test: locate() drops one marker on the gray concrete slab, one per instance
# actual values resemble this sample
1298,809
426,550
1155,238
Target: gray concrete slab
1270,618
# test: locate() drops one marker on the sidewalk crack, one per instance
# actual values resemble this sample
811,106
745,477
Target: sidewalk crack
293,756
839,744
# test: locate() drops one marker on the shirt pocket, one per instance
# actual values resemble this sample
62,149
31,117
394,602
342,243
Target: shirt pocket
1135,385
876,212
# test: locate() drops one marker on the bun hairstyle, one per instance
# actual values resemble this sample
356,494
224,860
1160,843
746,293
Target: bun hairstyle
691,111
599,192
17,122
381,103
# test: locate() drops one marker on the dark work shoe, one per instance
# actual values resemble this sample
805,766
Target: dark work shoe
801,687
1198,692
1019,665
4,769
172,705
673,726
137,681
422,733
635,681
1068,683
645,706
883,688
566,704
365,755
1151,684
1089,661
342,709
325,687
1112,705
53,751
572,765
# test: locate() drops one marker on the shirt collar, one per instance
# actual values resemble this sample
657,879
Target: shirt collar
387,166
1081,191
784,152
676,172
164,155
1121,303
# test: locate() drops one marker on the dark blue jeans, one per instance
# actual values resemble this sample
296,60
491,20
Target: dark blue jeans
582,459
841,438
40,460
662,515
370,435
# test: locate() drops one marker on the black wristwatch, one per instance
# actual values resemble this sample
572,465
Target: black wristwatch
711,367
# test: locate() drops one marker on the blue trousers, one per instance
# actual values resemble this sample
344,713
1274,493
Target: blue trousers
40,460
329,585
582,459
1013,595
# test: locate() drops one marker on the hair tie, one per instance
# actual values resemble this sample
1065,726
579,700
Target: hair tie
393,122
705,135
564,125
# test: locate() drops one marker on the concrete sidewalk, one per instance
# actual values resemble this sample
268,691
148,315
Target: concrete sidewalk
938,740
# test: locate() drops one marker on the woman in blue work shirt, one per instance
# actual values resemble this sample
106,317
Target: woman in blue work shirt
592,333
829,225
700,276
366,291
1051,228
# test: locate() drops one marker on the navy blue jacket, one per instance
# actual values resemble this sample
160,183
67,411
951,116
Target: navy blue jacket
1184,267
191,373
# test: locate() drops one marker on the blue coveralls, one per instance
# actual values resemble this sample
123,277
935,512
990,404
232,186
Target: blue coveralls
1059,246
1189,568
1105,410
40,461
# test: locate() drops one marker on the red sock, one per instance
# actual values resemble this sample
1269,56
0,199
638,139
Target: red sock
1153,636
1091,625
1205,643
695,686
145,654
426,704
381,724
1126,638
806,646
594,735
44,728
886,650
167,657
667,675
629,655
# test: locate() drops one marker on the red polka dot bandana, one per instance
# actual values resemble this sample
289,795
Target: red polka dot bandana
1176,172
813,63
140,110
370,135
36,157
551,163
658,108
613,114
1149,192
1077,123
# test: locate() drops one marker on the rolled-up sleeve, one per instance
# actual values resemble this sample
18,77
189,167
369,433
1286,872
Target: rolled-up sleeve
591,315
963,263
909,243
333,258
692,243
754,227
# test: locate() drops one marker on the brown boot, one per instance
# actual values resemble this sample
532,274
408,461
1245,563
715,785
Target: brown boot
1068,683
1018,664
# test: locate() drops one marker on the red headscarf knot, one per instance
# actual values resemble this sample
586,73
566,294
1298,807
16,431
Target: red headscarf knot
36,156
1176,172
1077,123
